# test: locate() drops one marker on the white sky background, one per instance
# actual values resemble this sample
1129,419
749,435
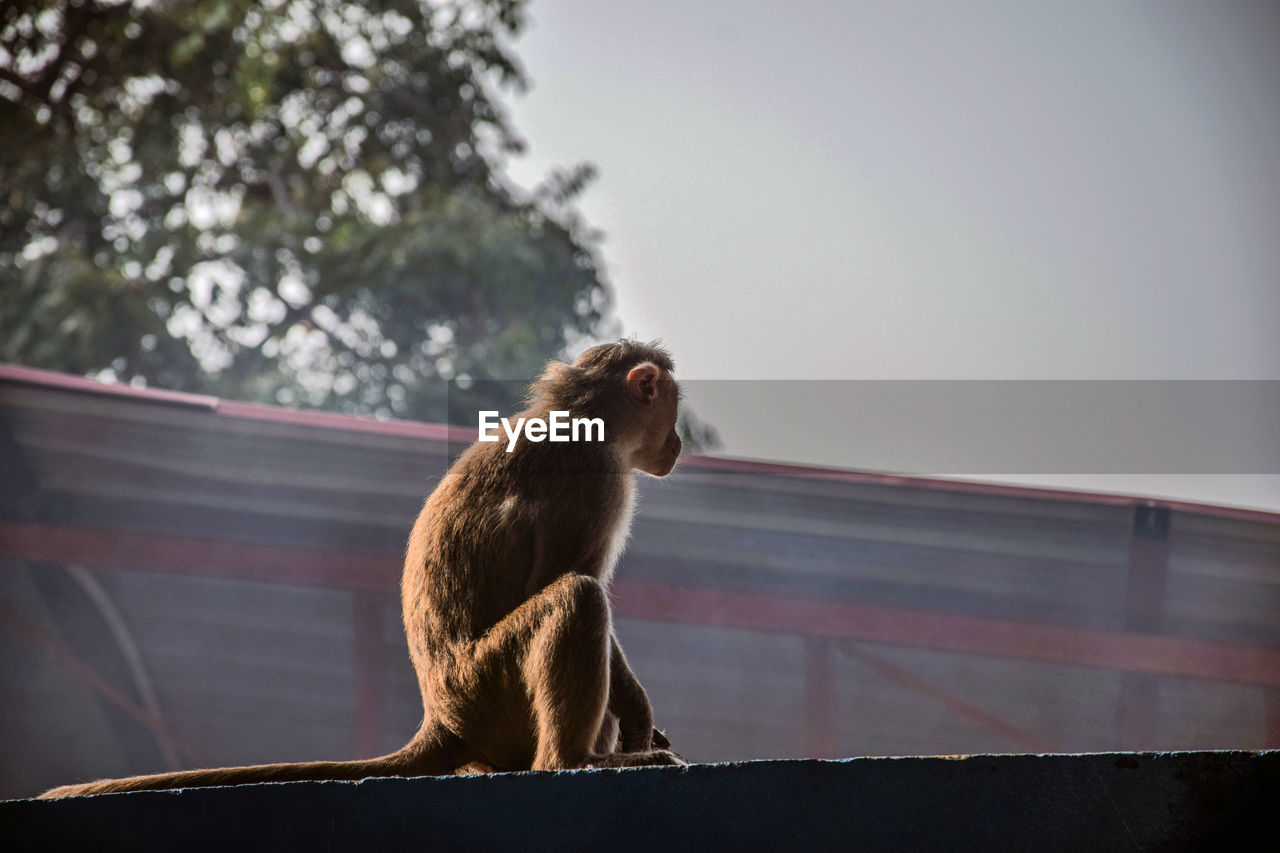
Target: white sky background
851,190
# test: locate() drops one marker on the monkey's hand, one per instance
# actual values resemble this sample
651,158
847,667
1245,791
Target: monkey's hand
660,742
637,731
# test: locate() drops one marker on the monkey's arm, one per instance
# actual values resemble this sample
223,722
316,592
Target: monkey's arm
629,702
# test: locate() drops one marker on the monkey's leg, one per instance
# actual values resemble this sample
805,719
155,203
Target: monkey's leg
547,661
531,693
566,670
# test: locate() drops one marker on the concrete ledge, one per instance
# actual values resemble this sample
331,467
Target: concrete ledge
1117,801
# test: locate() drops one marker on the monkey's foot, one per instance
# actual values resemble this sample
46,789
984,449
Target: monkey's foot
475,768
654,757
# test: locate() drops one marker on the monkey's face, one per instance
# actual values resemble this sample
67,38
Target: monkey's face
660,444
670,453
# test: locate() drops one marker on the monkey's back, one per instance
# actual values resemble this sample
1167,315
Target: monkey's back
497,528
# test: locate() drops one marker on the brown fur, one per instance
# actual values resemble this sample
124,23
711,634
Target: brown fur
504,595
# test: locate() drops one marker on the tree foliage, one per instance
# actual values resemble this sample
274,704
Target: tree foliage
297,201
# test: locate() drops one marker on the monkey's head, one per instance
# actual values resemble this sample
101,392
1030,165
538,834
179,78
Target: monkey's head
631,386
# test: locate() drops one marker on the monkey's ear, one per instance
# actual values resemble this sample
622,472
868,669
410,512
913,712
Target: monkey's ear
642,383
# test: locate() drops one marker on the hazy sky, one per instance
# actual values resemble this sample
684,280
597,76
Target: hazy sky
854,190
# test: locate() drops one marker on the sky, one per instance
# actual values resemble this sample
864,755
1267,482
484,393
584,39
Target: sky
927,190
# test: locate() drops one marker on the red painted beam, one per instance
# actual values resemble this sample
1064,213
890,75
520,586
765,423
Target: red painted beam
137,551
440,432
81,384
216,406
1060,644
732,464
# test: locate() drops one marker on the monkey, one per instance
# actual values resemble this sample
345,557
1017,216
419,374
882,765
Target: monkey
504,594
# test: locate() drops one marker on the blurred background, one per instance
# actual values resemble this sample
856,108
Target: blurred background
261,261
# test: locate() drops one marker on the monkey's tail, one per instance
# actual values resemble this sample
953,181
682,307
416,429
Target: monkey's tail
434,751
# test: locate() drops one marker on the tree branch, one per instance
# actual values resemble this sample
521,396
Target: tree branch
75,24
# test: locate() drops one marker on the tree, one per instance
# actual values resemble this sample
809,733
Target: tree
297,201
